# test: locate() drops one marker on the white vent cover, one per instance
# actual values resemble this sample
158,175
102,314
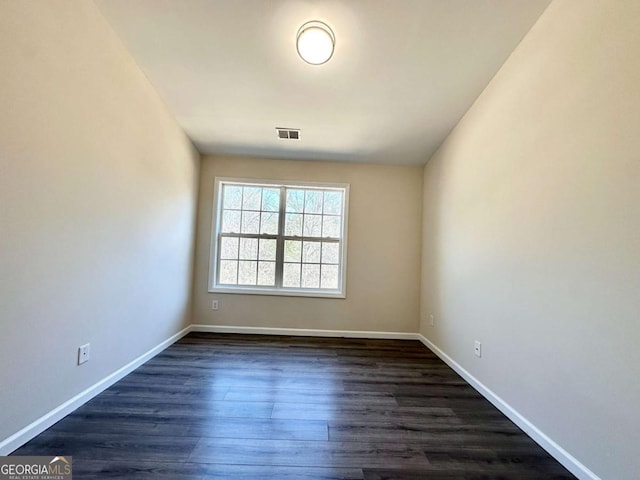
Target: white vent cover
288,133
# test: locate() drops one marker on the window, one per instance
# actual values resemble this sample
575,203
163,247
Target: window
279,238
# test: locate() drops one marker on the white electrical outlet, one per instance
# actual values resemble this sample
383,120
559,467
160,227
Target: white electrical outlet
214,305
432,320
477,349
83,353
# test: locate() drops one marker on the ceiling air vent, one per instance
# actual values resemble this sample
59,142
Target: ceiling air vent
288,133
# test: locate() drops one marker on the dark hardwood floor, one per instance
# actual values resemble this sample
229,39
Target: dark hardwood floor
266,407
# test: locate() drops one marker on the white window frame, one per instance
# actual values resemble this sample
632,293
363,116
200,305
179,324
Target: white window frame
216,224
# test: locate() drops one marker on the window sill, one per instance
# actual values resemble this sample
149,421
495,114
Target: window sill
280,292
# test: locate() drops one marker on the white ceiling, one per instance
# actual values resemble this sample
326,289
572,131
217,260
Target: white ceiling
402,75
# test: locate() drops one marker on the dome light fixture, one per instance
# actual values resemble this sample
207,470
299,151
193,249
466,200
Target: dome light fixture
315,42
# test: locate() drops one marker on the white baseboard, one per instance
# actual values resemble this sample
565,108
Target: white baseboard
556,451
304,332
40,425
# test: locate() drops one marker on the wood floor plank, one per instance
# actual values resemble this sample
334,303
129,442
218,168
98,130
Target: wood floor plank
306,454
230,406
360,413
222,427
190,408
260,428
92,470
168,393
302,396
480,474
111,446
462,434
317,382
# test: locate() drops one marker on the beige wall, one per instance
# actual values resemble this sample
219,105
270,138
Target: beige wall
97,208
532,233
383,254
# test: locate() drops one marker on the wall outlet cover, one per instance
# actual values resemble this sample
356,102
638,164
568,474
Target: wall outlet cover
477,349
83,353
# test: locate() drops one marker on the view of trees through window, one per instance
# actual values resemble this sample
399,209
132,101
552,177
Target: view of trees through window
274,236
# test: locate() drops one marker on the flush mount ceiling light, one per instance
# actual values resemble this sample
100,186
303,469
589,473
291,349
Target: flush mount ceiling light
315,42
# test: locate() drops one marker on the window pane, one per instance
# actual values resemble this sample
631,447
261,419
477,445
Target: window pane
312,213
232,197
248,249
333,203
228,272
230,221
311,252
291,275
267,249
329,276
310,276
295,201
313,201
251,198
292,251
331,226
330,252
271,199
269,223
229,248
266,273
293,225
250,222
247,273
312,225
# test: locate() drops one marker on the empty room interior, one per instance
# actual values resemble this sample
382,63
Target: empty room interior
320,239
